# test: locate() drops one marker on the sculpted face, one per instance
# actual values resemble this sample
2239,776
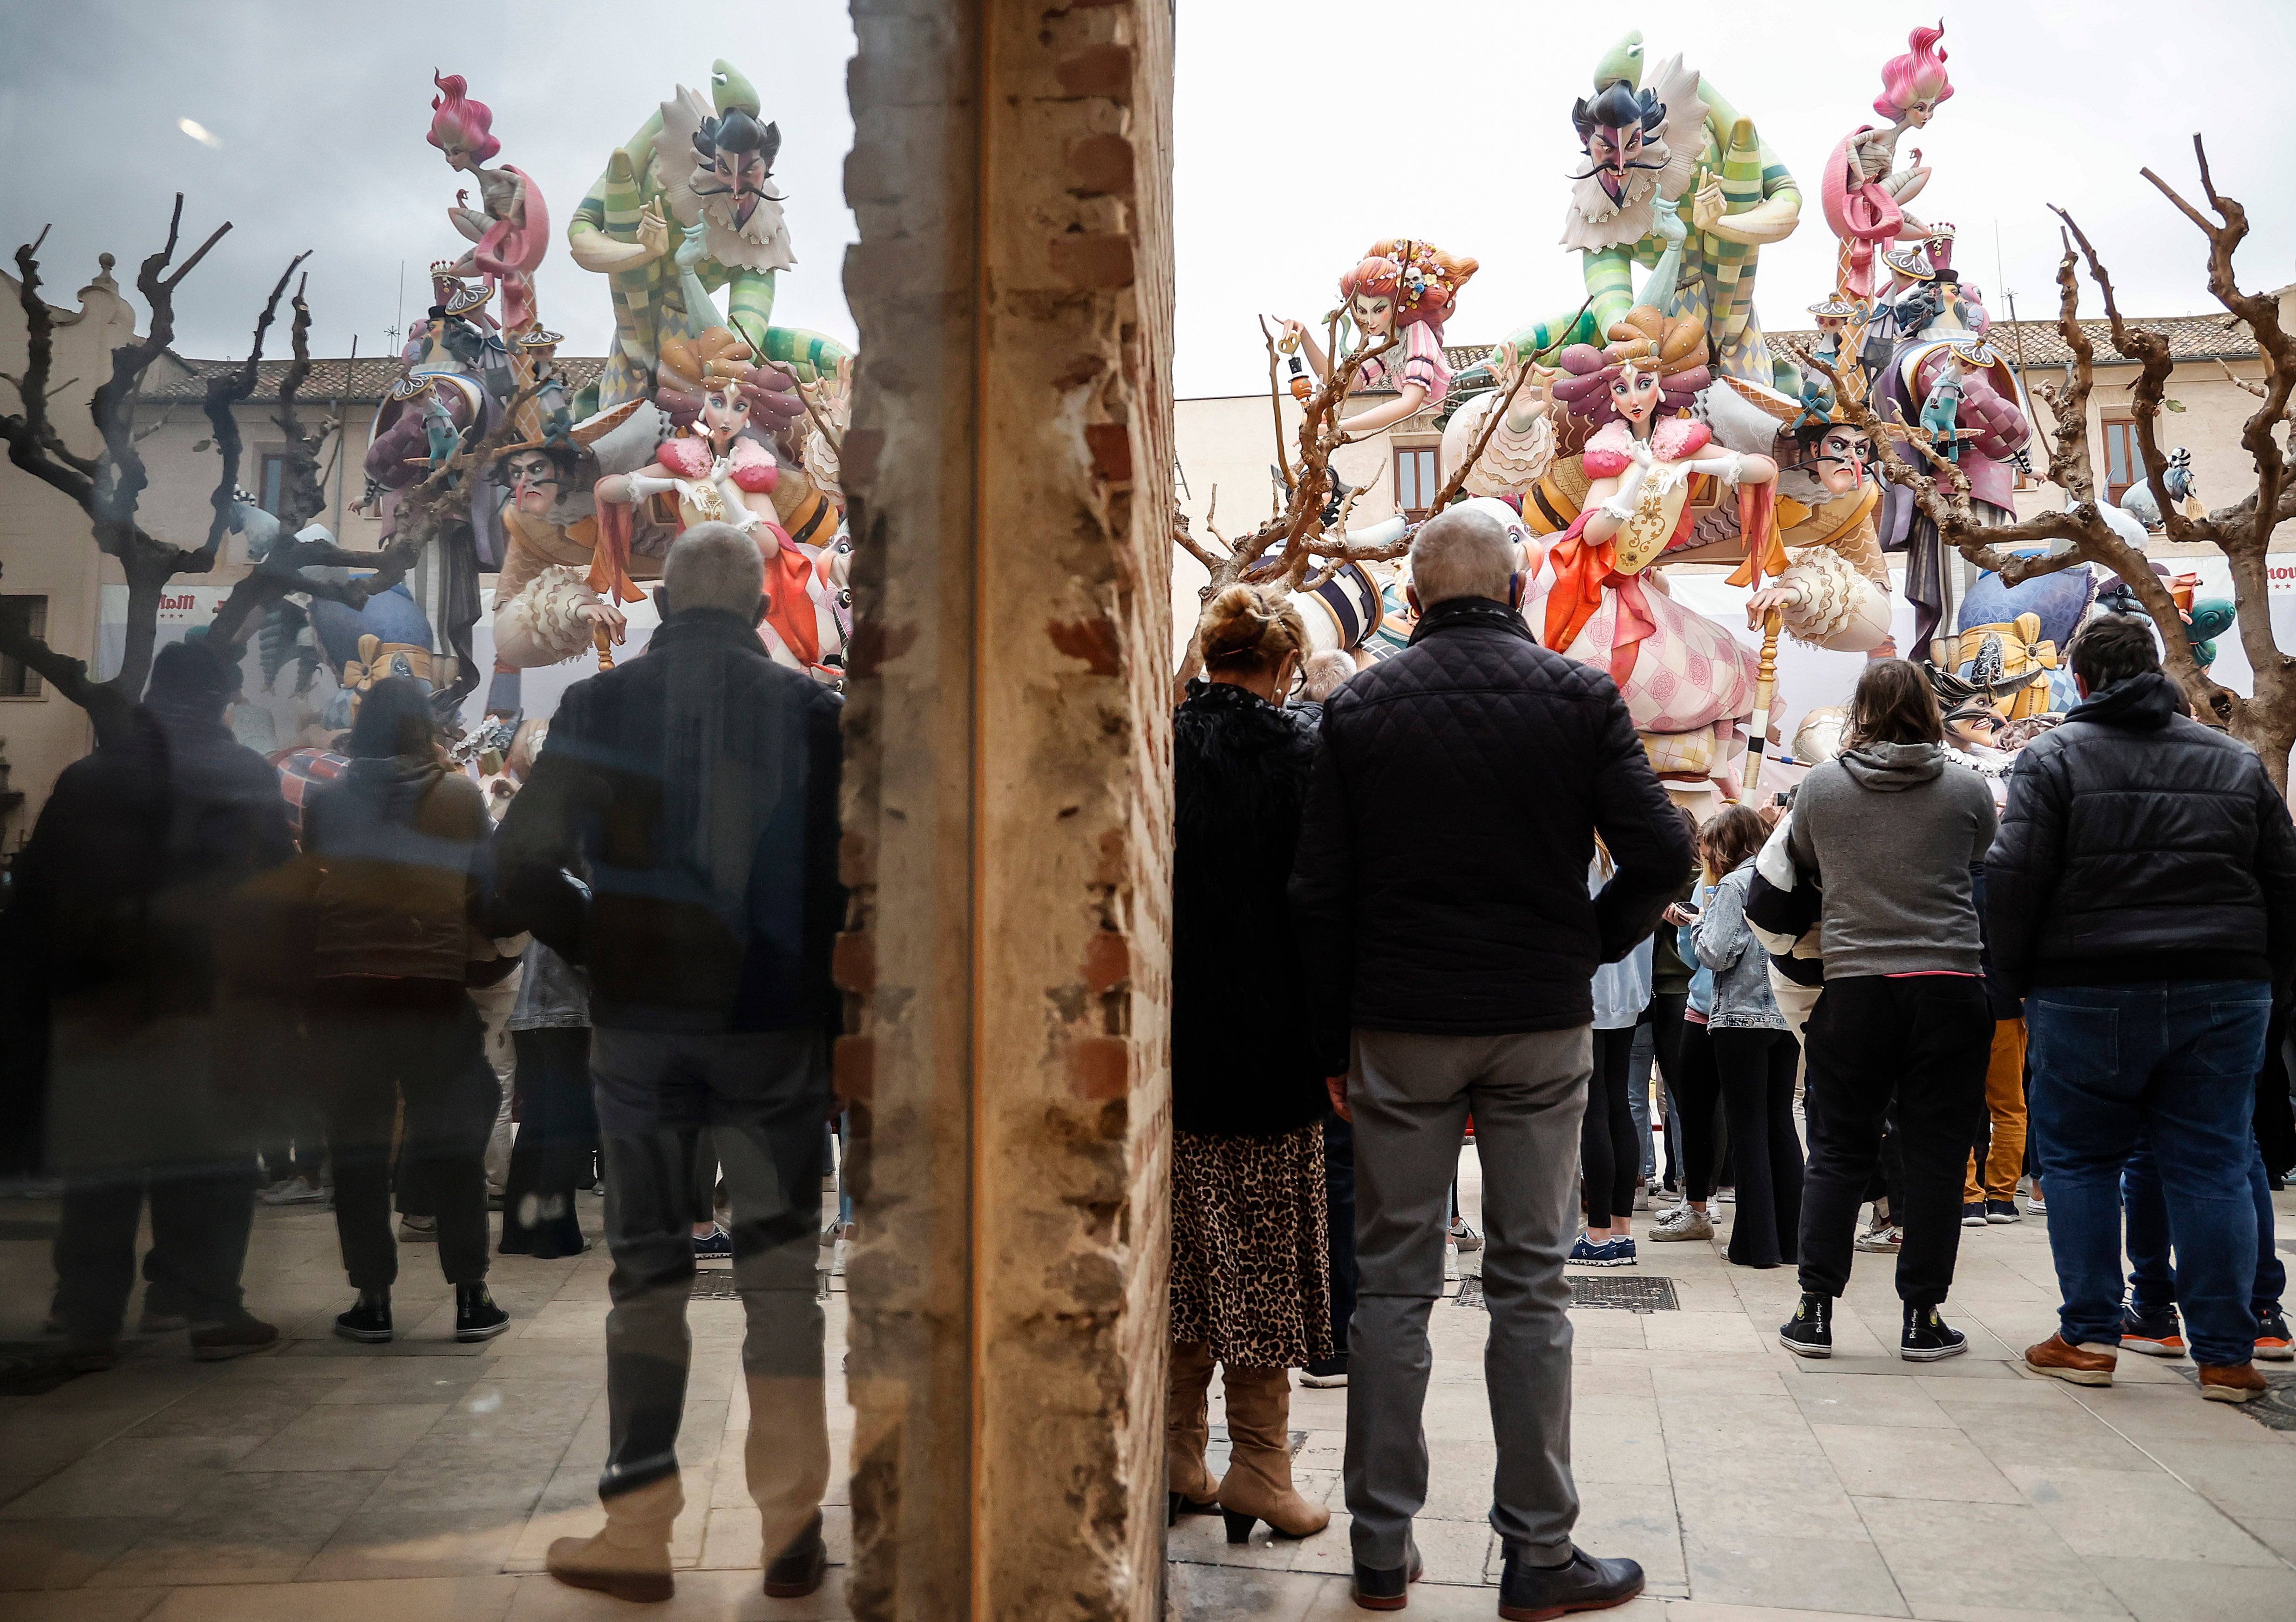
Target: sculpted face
742,175
1612,152
1635,394
1843,454
536,484
1374,313
1919,114
724,412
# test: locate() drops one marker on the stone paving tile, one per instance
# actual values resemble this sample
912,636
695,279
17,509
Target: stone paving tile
262,1528
1963,1556
2178,1591
2119,1515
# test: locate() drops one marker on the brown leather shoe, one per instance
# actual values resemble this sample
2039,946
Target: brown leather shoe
215,1342
799,1569
2237,1383
2087,1365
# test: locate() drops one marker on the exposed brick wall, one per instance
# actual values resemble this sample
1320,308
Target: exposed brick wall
1008,806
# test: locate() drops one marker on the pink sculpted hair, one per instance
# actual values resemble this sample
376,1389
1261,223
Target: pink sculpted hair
1917,76
457,120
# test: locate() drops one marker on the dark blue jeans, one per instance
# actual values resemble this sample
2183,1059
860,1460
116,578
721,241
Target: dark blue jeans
2177,1059
2152,1274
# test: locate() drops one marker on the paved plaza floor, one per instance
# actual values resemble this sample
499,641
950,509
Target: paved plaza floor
332,1481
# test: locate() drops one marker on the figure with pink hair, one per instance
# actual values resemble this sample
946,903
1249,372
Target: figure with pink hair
1864,192
511,229
1409,288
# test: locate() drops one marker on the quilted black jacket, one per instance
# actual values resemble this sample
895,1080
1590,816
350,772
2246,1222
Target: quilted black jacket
1441,881
1241,1063
2139,844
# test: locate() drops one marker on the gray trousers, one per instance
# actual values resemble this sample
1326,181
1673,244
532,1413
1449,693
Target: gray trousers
1411,1095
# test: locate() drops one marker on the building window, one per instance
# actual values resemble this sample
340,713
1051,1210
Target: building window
1416,480
17,681
273,483
2124,458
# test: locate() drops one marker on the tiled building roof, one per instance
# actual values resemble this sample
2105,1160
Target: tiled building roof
371,377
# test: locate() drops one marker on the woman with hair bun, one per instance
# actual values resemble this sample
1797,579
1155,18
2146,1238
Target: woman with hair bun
1251,1263
1407,288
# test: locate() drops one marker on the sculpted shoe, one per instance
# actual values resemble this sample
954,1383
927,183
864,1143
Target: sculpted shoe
2153,1333
1533,1593
2240,1383
2272,1342
2089,1365
798,1571
1809,1332
1927,1337
1389,1589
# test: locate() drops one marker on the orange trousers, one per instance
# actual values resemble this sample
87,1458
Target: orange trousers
2004,1102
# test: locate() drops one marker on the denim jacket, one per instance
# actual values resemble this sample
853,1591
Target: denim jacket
1725,944
552,994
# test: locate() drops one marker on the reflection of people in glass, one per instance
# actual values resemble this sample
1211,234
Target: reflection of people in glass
124,925
695,791
395,844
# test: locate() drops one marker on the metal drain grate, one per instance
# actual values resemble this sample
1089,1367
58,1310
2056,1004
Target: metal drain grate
2275,1409
714,1284
1644,1295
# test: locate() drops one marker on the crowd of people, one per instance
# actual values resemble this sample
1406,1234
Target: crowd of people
1444,894
211,997
1880,1006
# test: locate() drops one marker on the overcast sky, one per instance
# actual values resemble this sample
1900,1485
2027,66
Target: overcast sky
1306,131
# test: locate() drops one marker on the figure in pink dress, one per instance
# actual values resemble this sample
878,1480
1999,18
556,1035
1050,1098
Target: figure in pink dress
1409,288
510,230
1864,192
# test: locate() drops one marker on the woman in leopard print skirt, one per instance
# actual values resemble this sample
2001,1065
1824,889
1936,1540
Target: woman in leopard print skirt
1251,1269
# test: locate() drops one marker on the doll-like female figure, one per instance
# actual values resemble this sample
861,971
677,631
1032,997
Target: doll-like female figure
718,472
510,230
1407,288
1865,192
1677,670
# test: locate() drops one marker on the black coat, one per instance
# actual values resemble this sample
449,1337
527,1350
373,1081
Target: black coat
1242,1061
2138,845
694,790
1441,882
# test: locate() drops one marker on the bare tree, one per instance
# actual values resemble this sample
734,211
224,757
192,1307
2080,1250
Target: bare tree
109,487
2241,530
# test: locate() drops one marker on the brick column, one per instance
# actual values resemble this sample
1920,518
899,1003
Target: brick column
1008,806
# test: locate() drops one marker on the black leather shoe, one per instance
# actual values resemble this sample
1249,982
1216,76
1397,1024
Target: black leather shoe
1533,1593
1389,1589
369,1319
799,1569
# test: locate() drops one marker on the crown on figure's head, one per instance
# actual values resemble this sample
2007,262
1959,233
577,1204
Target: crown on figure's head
1836,306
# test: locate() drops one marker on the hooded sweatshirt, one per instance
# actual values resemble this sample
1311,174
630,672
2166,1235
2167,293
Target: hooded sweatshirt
1890,834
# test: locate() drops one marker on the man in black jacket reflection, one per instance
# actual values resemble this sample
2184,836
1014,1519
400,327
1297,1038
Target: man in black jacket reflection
132,890
692,792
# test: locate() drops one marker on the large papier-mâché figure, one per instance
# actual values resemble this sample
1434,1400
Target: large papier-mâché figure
1864,191
1670,164
703,164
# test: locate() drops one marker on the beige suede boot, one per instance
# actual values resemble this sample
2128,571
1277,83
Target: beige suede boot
1187,1432
1258,1485
630,1559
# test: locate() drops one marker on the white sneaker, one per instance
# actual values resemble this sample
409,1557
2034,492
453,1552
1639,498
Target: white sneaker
1450,1260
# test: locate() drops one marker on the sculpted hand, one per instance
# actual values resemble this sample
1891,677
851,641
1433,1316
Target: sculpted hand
653,230
1709,205
1769,597
603,613
1669,227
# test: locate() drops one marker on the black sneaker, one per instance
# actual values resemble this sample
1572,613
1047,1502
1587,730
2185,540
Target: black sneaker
798,1571
1972,1215
476,1316
1527,1593
1387,1589
369,1319
1928,1338
1998,1211
1810,1332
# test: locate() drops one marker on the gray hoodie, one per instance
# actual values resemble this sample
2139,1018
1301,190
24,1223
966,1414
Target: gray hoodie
1891,835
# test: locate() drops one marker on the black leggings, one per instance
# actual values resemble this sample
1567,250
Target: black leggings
1609,1158
1664,1017
1757,1067
1697,1093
